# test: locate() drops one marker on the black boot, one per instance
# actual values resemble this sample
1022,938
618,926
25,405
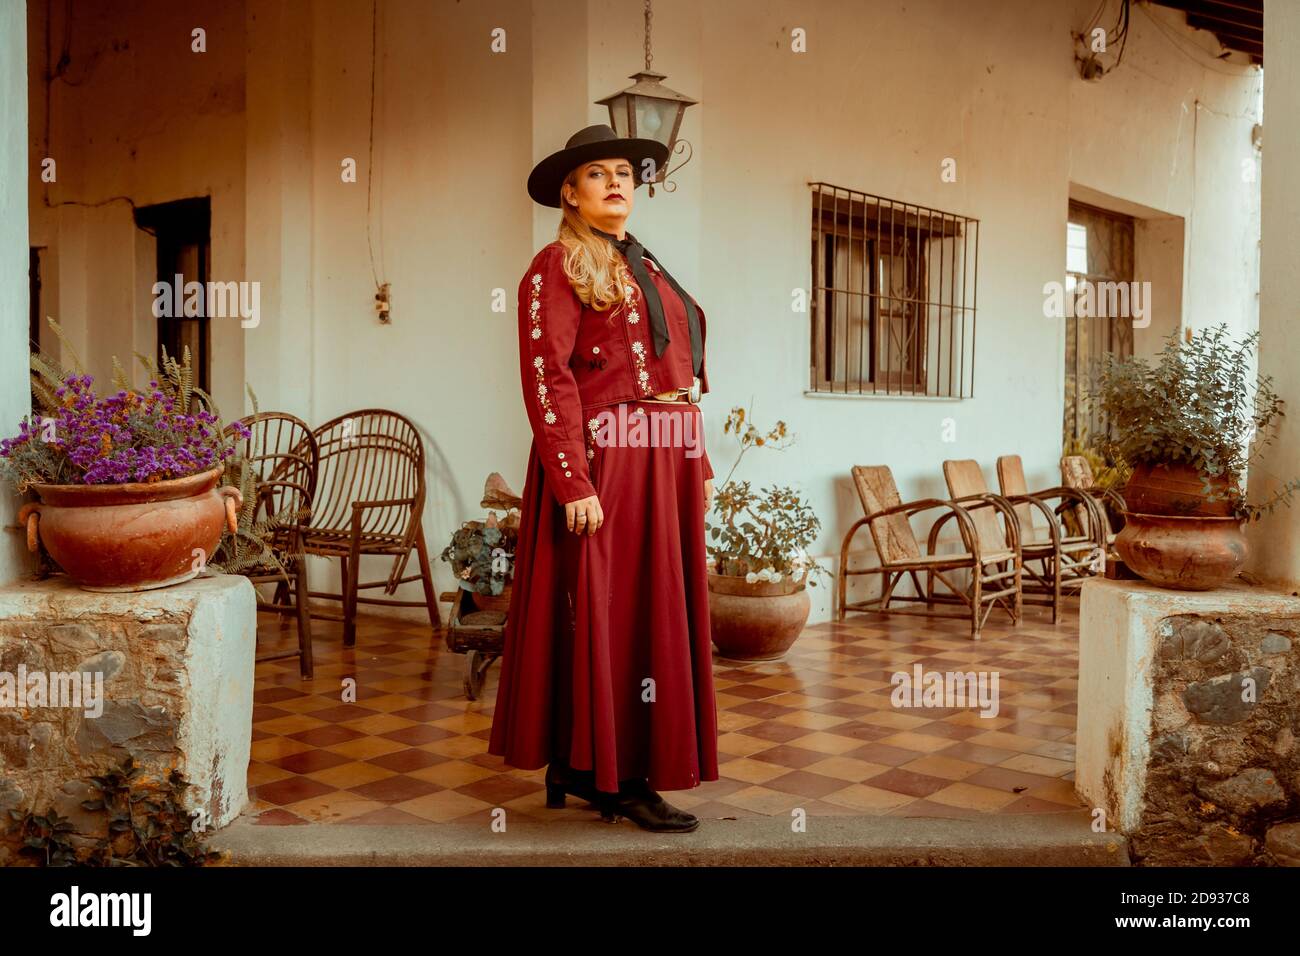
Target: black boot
562,779
644,807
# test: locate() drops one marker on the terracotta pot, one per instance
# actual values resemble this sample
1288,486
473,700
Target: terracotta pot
759,621
492,602
1190,553
136,536
1175,489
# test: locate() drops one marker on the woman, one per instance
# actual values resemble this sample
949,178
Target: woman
606,671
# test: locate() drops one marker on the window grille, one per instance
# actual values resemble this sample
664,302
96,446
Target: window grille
893,296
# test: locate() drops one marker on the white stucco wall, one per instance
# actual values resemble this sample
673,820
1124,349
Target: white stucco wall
15,395
883,95
992,85
138,115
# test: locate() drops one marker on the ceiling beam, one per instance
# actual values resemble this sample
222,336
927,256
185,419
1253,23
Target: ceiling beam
1238,25
1227,35
1244,19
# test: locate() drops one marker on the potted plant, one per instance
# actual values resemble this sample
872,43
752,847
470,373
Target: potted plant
1188,425
128,484
481,555
758,557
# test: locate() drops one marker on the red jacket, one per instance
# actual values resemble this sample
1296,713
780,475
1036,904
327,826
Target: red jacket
573,359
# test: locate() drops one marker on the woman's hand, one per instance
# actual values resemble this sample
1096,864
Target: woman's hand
708,493
584,514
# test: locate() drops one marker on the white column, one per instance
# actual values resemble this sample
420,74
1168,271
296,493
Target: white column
15,394
278,352
1275,539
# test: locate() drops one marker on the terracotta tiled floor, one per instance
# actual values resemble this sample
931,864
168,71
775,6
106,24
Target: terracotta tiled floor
816,730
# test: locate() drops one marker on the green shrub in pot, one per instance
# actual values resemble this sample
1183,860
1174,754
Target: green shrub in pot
1198,409
761,535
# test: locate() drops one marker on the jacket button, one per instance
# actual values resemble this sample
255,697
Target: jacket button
595,350
568,474
561,454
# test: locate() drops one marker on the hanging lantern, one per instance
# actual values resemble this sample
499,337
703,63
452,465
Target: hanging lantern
649,110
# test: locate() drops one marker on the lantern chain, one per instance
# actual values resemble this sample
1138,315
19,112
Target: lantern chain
648,14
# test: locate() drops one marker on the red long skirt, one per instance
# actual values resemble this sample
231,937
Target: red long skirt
607,658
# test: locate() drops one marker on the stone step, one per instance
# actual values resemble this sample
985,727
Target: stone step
1038,839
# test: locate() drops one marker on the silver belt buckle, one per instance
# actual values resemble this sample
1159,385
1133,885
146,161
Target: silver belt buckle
693,393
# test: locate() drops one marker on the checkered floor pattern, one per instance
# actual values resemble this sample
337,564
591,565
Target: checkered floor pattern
816,730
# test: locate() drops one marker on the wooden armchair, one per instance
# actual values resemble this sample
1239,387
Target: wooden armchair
370,501
1076,472
282,456
1057,560
994,572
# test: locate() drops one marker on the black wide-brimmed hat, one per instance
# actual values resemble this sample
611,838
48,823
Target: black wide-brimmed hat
585,146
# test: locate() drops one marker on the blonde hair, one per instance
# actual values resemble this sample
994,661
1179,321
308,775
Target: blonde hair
592,265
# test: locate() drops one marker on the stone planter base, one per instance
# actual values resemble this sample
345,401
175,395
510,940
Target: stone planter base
175,672
1187,721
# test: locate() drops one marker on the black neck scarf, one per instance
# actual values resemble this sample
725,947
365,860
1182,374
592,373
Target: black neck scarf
633,251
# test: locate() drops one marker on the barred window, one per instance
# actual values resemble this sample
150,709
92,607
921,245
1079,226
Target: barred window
893,296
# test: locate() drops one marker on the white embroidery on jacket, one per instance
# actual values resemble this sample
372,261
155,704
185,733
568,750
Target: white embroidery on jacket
642,376
535,317
633,317
629,303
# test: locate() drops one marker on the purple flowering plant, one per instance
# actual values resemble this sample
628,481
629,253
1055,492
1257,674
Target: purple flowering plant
78,437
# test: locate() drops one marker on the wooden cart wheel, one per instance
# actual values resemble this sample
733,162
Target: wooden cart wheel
474,675
477,664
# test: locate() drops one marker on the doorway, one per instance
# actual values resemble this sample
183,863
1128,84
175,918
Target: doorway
183,233
1099,252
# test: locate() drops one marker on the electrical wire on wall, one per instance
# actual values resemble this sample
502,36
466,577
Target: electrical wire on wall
1095,42
1121,28
382,308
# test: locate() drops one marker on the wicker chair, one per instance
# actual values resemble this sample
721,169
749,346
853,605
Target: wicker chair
1076,472
994,570
1055,560
281,452
370,501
